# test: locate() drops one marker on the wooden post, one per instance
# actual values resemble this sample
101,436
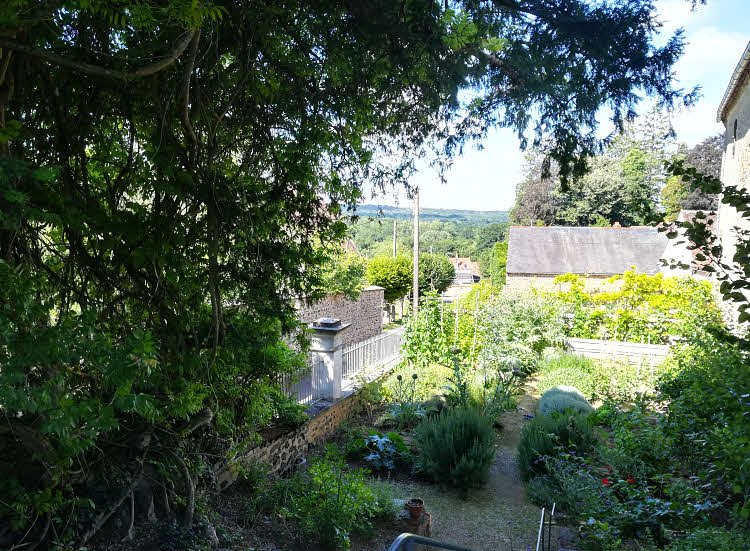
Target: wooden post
474,344
415,308
455,334
394,237
442,307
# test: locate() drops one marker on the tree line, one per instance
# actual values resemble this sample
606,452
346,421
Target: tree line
627,183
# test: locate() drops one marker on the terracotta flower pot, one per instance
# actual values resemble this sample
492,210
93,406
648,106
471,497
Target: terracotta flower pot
415,506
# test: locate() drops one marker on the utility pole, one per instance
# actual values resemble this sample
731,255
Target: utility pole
415,307
394,237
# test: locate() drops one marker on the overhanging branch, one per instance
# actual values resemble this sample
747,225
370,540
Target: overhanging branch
96,70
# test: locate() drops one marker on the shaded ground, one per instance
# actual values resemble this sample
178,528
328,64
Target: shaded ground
495,517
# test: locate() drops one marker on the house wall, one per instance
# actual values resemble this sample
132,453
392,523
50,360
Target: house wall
526,282
735,171
365,314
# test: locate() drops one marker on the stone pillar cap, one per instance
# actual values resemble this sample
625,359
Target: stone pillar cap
329,324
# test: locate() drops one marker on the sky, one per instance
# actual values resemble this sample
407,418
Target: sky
716,36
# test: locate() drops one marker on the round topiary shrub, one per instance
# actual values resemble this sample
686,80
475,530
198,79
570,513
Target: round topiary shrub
456,447
561,398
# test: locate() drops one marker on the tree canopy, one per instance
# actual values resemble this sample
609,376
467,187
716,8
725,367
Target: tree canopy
168,171
393,273
623,183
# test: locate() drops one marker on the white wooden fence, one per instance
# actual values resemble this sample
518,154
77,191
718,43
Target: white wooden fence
632,352
376,351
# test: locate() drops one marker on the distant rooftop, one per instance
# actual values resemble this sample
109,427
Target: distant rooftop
594,251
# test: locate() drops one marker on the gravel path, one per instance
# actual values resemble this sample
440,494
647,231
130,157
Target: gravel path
495,517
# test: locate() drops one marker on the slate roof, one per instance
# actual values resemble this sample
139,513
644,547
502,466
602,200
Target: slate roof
593,251
736,84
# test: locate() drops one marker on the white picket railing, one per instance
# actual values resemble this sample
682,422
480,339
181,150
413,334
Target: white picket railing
631,352
305,383
376,351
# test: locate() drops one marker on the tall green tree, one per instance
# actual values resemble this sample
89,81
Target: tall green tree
705,157
394,274
436,273
492,264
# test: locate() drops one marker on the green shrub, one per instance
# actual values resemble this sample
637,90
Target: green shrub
519,327
711,539
640,446
709,397
562,398
386,452
569,484
456,447
334,502
327,503
567,369
547,435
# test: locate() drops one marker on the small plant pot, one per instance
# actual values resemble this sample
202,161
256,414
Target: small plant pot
415,506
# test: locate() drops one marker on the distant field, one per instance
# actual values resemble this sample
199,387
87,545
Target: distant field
476,217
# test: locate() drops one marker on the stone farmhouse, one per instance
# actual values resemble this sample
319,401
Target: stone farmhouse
537,255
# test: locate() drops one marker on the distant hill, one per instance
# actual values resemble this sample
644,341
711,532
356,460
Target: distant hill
476,217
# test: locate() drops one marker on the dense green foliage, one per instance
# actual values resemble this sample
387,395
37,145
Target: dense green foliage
394,274
456,447
492,263
561,398
326,503
424,342
601,379
436,273
673,475
622,185
676,195
546,435
728,261
640,308
517,328
567,369
344,273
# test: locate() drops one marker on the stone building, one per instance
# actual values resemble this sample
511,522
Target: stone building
734,113
537,255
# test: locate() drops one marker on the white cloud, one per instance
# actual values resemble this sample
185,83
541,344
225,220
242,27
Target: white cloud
677,13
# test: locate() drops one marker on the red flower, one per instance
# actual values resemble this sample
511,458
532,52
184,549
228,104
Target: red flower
609,469
605,481
631,480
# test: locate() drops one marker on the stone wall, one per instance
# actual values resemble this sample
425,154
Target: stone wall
735,171
281,452
365,314
525,282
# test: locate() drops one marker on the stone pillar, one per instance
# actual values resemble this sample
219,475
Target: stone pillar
325,346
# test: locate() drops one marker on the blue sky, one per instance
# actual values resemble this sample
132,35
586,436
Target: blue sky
716,36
